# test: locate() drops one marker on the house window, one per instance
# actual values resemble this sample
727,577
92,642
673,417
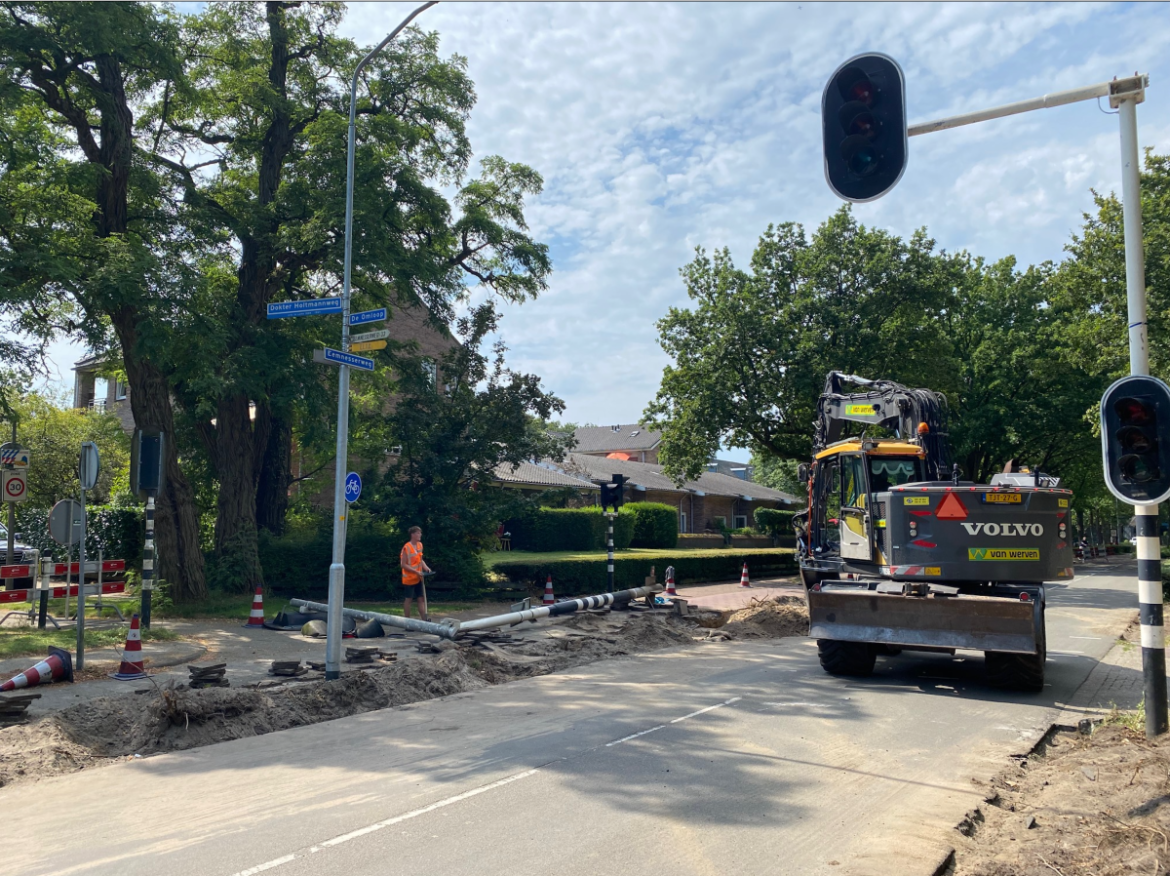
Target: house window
740,521
119,390
431,371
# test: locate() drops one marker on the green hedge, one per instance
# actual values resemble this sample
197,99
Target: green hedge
775,521
568,529
655,524
583,577
118,533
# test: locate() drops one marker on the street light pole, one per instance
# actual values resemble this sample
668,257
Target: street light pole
337,568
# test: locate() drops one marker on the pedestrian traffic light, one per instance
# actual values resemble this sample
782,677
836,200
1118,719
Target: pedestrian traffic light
863,119
612,494
1135,439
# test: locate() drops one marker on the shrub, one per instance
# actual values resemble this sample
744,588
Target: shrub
118,533
568,529
583,577
774,521
655,524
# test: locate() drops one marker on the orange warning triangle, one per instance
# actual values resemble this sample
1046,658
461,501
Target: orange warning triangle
951,508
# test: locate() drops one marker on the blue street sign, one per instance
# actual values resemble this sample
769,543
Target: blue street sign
353,486
337,357
367,316
312,307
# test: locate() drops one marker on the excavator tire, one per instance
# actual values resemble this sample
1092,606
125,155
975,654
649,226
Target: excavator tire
1017,671
846,658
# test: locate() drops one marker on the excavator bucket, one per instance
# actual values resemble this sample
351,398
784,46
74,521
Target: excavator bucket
979,623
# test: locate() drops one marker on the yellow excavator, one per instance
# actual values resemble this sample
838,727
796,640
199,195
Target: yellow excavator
898,553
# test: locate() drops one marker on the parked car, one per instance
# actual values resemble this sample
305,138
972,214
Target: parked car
19,549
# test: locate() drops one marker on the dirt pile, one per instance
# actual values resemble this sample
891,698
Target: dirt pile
769,619
1096,804
174,719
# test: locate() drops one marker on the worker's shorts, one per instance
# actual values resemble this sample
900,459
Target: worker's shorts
413,591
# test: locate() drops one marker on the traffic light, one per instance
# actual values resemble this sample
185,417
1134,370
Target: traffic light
1135,439
612,494
863,119
147,462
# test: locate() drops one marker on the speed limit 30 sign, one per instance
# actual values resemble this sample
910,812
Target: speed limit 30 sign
15,486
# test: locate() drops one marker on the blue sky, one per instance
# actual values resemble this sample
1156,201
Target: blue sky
659,127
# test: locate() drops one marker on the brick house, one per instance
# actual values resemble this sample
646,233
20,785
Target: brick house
95,393
704,504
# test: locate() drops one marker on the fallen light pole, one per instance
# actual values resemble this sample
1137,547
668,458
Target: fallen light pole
451,629
445,630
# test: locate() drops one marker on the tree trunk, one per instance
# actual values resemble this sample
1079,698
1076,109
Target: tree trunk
275,477
180,560
237,559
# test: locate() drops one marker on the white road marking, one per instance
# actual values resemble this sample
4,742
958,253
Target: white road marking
1090,638
398,819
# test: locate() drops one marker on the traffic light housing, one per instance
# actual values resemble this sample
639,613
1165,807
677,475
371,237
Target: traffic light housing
613,494
1135,439
863,120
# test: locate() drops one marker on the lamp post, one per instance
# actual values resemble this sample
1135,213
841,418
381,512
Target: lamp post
337,567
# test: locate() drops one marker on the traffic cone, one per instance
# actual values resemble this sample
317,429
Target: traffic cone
256,618
670,591
743,579
58,666
549,599
131,667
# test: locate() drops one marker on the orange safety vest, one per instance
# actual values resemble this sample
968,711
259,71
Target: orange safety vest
411,556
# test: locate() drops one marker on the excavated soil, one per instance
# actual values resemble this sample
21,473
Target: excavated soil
768,619
1094,805
112,728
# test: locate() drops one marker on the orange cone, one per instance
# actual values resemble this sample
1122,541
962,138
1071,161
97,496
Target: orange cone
256,618
743,579
131,667
549,599
670,591
58,666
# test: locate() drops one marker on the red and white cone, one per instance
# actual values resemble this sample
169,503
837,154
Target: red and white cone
743,579
131,667
670,591
58,666
256,618
549,599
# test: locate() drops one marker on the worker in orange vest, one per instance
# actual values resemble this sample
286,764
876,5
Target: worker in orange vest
413,567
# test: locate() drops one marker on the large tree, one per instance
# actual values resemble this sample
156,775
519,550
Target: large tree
258,144
87,238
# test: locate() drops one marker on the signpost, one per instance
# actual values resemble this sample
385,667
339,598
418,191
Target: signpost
15,490
12,456
367,346
65,526
367,316
378,335
312,307
88,466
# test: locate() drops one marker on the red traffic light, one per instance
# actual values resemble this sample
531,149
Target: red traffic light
1134,410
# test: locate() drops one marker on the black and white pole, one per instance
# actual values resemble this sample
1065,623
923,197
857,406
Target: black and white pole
609,549
148,563
1148,550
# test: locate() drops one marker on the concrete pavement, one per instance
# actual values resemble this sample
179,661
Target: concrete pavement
725,758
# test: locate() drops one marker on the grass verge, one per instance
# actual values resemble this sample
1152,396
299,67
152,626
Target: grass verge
21,642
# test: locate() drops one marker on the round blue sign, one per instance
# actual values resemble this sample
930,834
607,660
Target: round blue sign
353,486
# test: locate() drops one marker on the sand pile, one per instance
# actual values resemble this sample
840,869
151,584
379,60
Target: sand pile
769,619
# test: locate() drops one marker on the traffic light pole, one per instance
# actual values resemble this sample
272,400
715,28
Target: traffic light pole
1124,96
609,548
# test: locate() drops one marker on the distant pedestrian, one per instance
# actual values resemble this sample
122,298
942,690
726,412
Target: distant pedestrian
413,568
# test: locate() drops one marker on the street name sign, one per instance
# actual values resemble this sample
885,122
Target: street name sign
367,316
329,356
312,307
369,336
366,346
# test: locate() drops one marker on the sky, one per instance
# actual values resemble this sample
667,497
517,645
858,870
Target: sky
662,127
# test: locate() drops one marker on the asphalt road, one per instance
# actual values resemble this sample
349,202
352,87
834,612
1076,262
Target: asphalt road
733,758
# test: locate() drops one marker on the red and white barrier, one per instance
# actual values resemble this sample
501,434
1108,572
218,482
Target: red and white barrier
108,588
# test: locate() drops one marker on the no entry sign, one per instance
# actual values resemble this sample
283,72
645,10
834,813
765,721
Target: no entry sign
15,486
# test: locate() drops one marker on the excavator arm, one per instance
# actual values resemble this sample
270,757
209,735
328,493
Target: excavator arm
889,405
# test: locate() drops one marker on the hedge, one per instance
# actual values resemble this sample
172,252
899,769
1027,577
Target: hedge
568,529
775,521
118,533
655,524
583,577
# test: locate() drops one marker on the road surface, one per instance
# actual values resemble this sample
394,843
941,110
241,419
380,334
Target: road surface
729,758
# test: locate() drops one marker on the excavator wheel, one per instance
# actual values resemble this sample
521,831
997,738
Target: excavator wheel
1017,671
846,658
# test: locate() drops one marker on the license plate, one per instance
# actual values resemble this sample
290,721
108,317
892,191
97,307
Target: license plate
1003,498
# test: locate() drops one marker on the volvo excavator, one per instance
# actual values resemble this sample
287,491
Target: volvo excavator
898,553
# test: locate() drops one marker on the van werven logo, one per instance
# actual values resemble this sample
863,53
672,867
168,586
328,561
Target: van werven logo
1010,529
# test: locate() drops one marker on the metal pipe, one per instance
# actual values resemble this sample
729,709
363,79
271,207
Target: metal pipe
446,630
1057,98
337,567
569,606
